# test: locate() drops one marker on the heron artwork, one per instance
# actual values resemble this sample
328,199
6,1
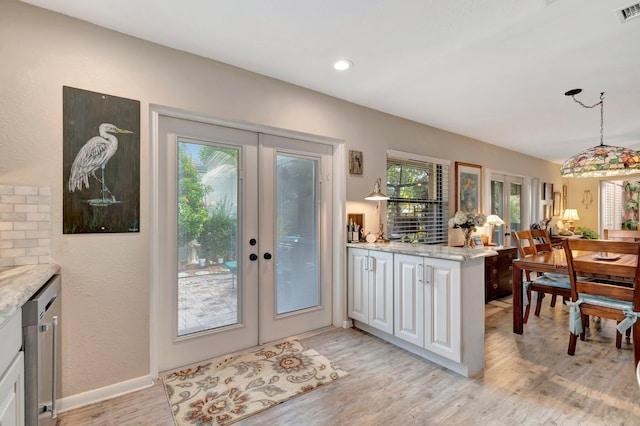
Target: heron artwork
92,156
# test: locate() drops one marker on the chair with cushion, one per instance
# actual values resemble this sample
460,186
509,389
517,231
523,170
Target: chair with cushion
617,300
553,284
543,245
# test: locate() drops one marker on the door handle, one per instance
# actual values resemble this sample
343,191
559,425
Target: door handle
267,256
253,242
253,257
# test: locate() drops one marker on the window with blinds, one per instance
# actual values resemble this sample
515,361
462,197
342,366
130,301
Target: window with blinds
612,201
418,207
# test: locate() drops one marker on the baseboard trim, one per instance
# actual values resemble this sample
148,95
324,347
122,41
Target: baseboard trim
101,394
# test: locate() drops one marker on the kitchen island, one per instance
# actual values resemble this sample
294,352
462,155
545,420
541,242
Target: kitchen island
426,299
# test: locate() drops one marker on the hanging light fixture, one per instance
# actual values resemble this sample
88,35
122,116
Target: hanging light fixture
602,160
377,194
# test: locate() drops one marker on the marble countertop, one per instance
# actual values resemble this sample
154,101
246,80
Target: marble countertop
439,252
18,284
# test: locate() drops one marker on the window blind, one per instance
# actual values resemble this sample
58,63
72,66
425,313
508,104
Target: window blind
612,205
418,207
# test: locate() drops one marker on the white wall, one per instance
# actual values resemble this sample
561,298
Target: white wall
106,277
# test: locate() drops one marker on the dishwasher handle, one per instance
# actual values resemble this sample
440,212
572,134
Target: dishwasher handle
54,359
53,325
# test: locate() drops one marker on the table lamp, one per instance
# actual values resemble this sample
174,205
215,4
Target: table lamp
494,220
569,216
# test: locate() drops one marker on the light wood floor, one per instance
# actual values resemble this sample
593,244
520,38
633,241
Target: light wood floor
528,380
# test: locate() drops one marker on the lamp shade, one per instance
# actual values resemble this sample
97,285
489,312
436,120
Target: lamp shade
570,215
494,219
601,161
377,194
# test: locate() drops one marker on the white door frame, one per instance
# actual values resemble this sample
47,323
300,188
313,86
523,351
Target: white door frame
339,288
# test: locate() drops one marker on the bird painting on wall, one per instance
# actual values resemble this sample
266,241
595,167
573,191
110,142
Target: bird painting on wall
92,156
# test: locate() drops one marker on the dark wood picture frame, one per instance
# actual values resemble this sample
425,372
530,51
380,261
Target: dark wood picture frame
468,191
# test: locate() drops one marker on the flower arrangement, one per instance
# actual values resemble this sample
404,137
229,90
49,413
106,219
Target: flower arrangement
469,222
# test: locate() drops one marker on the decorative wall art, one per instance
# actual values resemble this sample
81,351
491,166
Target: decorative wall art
355,162
547,192
101,163
468,187
557,203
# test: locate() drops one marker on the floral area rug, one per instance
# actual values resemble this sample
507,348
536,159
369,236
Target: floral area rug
238,386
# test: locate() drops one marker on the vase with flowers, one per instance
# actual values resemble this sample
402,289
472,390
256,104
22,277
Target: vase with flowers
469,223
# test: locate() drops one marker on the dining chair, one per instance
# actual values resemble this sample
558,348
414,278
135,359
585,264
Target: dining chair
552,284
605,298
621,234
543,244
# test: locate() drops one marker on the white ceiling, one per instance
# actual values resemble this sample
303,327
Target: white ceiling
494,70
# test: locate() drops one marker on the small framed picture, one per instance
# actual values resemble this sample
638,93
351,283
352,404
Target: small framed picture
547,193
477,241
355,162
557,203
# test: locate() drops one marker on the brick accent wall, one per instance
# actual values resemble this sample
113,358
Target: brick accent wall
25,225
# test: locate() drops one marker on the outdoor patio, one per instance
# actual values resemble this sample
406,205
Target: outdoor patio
207,298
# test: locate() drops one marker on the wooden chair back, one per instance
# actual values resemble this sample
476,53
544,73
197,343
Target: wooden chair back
541,240
599,295
587,265
524,242
621,235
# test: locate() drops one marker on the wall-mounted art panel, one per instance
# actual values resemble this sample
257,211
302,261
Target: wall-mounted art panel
101,163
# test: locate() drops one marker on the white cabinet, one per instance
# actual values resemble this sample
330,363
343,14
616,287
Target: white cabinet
443,309
427,300
370,288
408,277
11,373
428,304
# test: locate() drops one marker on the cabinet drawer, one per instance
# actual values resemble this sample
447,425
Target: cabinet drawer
11,338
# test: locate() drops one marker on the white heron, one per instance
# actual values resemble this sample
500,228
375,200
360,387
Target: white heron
92,156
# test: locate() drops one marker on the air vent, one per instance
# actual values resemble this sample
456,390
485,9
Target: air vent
629,12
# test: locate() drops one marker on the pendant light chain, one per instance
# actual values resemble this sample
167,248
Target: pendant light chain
601,103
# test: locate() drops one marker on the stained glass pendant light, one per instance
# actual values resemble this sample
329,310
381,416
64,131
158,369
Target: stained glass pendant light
602,160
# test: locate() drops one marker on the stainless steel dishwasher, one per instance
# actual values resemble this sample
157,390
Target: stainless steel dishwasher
41,345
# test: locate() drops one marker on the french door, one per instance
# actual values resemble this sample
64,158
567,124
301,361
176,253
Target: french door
507,203
245,244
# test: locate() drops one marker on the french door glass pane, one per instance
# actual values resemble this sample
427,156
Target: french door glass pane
298,230
497,208
515,198
207,237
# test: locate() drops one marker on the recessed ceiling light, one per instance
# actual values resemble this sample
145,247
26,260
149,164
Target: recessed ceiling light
342,64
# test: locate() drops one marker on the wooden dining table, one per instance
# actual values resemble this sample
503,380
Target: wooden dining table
555,261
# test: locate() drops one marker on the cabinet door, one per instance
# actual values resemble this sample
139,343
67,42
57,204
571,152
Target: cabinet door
442,300
381,291
490,278
12,393
408,298
505,271
358,285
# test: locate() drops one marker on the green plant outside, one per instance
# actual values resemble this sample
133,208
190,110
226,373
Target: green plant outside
192,213
632,204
